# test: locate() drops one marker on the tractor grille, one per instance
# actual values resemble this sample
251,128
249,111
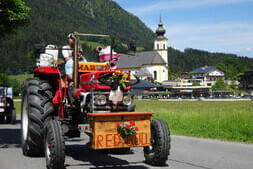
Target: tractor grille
108,106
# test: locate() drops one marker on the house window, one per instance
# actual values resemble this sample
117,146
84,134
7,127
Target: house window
157,46
155,75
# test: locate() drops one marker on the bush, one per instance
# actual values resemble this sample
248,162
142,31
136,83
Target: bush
5,80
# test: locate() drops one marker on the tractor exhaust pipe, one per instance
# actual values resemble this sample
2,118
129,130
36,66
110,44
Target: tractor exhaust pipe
75,64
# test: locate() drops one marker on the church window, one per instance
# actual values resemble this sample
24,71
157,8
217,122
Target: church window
157,46
155,75
163,46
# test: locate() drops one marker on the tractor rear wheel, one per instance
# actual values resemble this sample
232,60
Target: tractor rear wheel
157,153
36,110
54,145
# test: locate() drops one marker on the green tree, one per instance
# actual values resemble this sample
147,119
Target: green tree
232,67
13,13
219,84
196,83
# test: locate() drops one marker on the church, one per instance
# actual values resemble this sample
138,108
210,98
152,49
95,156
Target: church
149,64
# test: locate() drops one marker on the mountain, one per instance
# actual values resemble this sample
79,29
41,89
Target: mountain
52,20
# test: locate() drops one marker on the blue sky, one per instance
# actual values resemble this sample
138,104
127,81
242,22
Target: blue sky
213,25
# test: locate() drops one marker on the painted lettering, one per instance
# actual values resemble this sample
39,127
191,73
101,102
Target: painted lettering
141,139
99,140
108,140
146,135
115,143
93,67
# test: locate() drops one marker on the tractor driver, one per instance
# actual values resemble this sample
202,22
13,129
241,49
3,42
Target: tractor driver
67,54
80,56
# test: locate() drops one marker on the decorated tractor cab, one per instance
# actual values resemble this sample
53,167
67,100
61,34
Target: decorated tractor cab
7,110
98,102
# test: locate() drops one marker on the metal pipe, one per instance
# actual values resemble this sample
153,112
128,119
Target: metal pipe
112,44
75,64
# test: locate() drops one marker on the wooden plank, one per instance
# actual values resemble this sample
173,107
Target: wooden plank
105,134
121,113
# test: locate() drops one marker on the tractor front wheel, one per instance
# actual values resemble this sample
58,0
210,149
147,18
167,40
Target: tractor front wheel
54,145
157,153
37,109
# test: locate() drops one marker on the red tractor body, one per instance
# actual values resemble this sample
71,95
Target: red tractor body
98,98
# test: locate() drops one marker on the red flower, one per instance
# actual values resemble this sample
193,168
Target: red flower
118,124
128,127
132,123
136,128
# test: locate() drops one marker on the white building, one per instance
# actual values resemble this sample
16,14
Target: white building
208,74
155,62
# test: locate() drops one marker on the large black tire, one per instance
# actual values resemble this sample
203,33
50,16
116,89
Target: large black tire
36,110
11,117
157,153
54,145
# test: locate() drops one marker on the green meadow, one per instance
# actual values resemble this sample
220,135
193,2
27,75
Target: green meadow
232,121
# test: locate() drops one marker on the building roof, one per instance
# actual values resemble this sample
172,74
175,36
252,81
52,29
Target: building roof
144,85
139,59
160,31
204,69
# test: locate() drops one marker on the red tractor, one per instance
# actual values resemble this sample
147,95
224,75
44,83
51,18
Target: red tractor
97,102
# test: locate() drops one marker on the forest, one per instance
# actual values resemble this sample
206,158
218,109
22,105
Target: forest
50,21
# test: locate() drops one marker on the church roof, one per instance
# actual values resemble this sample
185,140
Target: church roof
139,59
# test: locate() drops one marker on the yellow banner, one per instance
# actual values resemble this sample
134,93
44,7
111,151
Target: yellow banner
92,67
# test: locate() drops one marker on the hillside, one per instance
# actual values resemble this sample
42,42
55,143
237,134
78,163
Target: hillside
52,20
191,59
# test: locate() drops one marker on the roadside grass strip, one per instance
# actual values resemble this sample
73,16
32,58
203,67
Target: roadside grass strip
231,121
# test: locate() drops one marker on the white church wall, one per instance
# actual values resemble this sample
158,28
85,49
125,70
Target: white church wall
161,72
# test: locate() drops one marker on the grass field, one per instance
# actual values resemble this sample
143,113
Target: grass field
17,106
231,121
20,78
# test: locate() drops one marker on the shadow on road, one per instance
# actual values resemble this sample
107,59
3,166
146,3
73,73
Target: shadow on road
10,138
98,159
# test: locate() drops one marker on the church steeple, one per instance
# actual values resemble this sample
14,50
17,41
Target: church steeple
161,46
160,31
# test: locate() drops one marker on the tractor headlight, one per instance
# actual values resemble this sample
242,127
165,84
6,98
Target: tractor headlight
1,110
1,104
100,100
127,100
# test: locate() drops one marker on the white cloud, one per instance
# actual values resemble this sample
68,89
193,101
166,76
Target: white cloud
181,4
220,37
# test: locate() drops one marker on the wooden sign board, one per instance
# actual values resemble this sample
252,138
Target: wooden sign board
85,67
105,134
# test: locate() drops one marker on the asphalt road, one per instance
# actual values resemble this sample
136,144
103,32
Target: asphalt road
186,153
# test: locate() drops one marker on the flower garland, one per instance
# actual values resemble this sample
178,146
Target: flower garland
127,129
121,77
